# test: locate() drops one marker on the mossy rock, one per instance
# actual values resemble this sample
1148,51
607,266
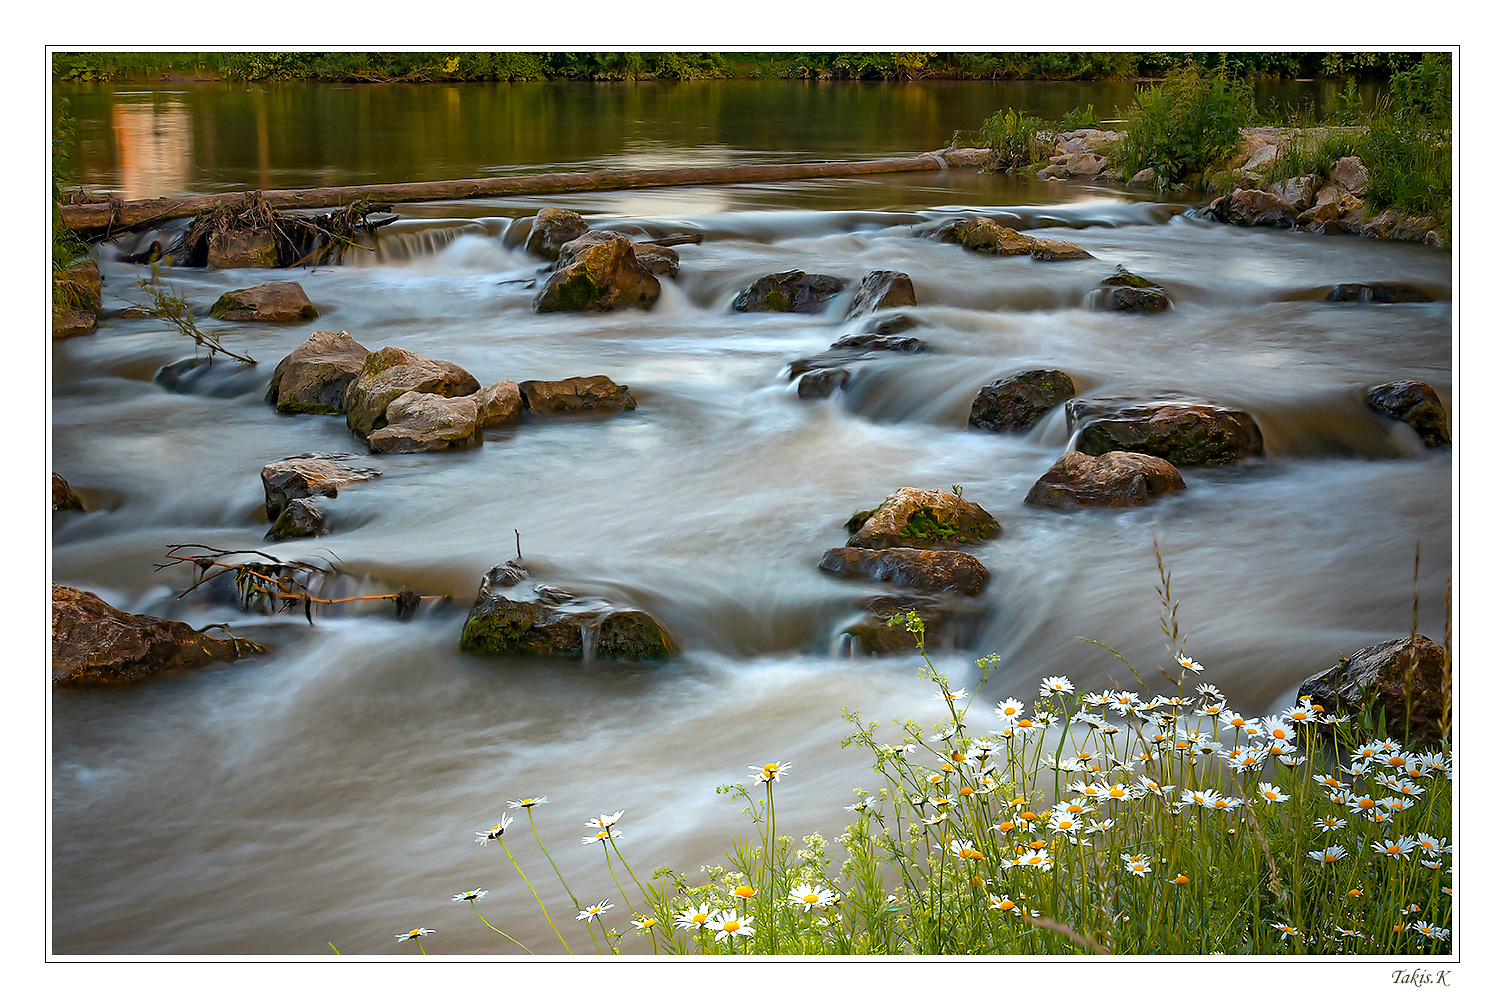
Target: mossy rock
1017,403
924,519
790,291
1184,435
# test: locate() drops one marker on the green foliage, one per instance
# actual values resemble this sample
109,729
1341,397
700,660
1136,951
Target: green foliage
1077,118
1424,94
68,249
1182,127
1014,140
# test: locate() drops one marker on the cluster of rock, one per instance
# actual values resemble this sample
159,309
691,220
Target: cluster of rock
1410,678
983,234
399,401
595,270
514,619
292,486
1415,404
908,542
1083,153
93,643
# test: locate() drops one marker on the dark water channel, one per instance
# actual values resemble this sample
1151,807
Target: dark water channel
331,790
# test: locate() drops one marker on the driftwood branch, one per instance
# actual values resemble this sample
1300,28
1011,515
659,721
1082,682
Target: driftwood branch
120,215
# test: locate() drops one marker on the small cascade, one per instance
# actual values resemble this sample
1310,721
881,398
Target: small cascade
406,241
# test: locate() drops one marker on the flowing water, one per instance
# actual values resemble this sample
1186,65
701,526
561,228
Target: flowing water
330,791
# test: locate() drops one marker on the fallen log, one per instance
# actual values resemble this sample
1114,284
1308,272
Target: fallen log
122,215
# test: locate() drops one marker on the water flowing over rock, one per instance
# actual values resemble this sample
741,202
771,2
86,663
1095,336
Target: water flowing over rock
1115,479
1125,291
63,497
882,289
1415,404
553,229
598,271
1017,403
659,260
1378,293
243,248
95,644
951,623
593,394
1375,677
316,474
829,371
392,372
1182,434
512,619
983,234
922,570
209,376
274,301
301,519
790,291
315,377
922,519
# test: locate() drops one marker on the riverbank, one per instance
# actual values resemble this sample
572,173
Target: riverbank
352,67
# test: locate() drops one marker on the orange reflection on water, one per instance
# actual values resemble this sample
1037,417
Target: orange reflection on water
155,145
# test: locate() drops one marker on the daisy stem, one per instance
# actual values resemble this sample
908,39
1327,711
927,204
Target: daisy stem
535,895
497,929
420,946
618,881
641,888
551,861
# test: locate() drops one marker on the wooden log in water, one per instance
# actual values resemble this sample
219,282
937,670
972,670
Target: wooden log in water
123,215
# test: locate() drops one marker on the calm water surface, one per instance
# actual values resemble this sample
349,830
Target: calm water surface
331,790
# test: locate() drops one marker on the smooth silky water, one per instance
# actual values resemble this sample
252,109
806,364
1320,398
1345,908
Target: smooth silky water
331,791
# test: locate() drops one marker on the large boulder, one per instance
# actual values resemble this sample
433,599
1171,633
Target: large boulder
951,623
424,422
93,643
1017,403
316,474
315,377
1115,479
243,248
1182,434
1056,250
882,289
1300,192
921,570
598,272
1350,173
1376,677
1416,404
552,230
1252,208
518,620
1125,291
63,497
923,519
274,301
593,394
790,291
391,372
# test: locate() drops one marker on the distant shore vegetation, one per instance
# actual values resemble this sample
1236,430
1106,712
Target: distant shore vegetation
416,67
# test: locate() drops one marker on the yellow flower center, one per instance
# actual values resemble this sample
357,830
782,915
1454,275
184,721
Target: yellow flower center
1180,880
1026,723
731,926
744,892
811,898
966,791
699,918
1366,803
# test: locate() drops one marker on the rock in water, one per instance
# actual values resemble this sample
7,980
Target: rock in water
93,643
391,372
552,230
1115,479
275,301
1377,293
72,322
951,622
882,289
540,621
983,234
243,248
208,376
791,291
922,570
596,393
1375,677
1252,208
1125,291
1056,250
63,497
598,272
301,519
1182,434
1415,404
424,422
1017,403
313,475
315,377
924,519
660,260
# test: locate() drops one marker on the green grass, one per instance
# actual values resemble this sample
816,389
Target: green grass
1184,126
1153,821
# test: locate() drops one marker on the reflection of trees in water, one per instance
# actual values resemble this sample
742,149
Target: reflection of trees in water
154,147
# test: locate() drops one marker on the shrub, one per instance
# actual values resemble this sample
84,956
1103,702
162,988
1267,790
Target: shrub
1014,140
1182,127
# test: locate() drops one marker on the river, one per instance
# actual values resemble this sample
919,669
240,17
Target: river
331,791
